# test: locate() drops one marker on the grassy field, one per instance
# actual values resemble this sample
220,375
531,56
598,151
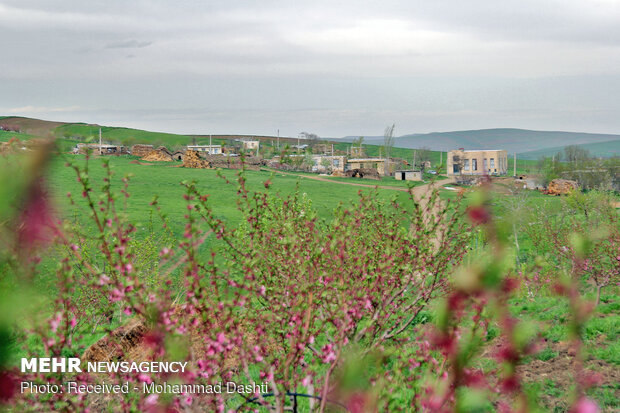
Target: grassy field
547,372
6,136
128,136
163,179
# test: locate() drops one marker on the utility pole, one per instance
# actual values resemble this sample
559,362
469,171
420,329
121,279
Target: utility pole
414,153
99,141
278,139
515,164
210,145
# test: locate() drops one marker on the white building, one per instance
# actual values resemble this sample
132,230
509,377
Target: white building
208,149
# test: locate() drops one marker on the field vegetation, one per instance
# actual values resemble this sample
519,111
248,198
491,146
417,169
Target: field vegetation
339,297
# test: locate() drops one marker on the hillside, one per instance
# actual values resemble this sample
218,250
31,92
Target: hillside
125,136
598,149
512,140
527,143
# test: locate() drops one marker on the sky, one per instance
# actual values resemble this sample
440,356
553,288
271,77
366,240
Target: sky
344,68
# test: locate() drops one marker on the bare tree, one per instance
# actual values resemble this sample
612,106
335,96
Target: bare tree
574,153
311,138
388,143
357,144
423,155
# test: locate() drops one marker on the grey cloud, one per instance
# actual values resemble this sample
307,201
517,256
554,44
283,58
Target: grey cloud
340,66
128,44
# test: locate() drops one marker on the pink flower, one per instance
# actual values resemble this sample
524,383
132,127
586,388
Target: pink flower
151,399
8,386
478,215
36,221
55,322
116,295
585,405
145,378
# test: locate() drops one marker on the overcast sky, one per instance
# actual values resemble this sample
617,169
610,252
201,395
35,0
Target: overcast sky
334,68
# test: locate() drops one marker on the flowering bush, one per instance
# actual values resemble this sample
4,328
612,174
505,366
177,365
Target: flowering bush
332,311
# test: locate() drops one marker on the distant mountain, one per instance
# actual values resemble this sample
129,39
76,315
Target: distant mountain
598,149
512,140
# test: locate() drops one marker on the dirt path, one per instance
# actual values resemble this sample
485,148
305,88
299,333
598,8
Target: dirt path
418,190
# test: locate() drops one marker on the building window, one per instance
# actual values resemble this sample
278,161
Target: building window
492,163
466,164
474,164
484,164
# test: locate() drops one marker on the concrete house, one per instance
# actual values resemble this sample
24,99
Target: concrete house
250,145
327,163
96,149
477,162
408,175
206,149
378,164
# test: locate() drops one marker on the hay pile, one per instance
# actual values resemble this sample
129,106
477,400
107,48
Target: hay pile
141,150
192,160
362,173
562,187
157,156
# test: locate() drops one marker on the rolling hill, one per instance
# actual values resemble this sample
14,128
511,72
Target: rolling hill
529,144
599,149
512,140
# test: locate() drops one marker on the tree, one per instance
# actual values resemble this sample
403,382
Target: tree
311,139
574,153
422,156
388,143
327,163
357,144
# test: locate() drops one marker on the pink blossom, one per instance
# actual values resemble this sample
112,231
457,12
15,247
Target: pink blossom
585,405
116,295
145,378
151,399
55,322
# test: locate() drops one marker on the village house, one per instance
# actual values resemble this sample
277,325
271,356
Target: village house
378,164
408,175
477,162
96,149
328,163
206,149
250,145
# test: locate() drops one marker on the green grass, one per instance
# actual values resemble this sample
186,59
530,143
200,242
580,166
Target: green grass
6,136
163,179
546,354
550,313
128,136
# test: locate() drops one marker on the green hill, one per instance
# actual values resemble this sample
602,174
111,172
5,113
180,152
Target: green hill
599,149
512,140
